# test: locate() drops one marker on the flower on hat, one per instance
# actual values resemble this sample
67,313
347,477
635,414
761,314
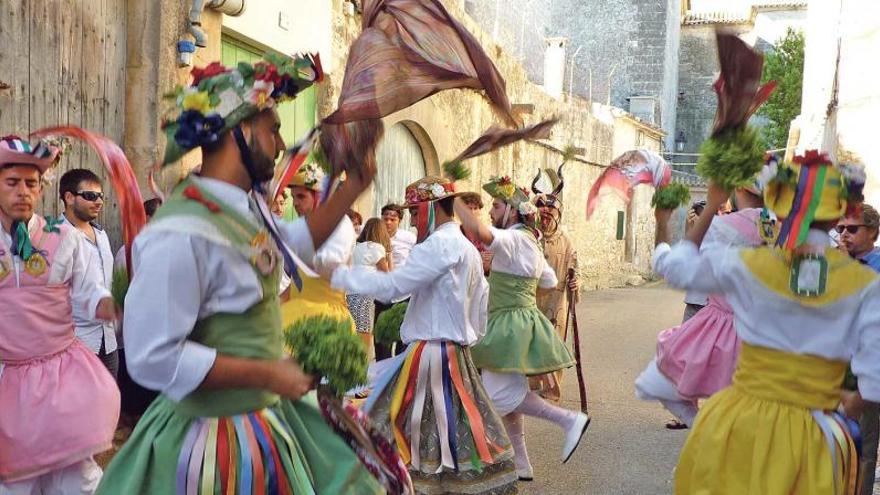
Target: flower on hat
194,129
261,94
267,72
438,190
199,101
526,208
213,69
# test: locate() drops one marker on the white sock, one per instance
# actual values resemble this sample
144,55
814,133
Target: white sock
534,405
685,411
513,423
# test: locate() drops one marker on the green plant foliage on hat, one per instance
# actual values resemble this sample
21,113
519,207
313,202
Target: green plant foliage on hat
220,97
732,158
387,329
670,197
326,347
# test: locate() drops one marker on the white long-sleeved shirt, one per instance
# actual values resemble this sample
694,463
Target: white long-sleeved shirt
402,243
444,274
845,329
183,273
69,264
90,331
337,249
516,252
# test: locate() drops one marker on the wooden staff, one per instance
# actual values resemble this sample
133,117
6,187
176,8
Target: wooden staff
572,317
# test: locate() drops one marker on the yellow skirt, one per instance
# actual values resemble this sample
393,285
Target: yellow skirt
770,432
316,299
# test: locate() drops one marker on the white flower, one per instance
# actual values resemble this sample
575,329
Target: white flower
854,173
437,190
229,101
526,208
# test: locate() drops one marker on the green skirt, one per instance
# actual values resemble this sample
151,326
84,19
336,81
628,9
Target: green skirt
286,448
521,340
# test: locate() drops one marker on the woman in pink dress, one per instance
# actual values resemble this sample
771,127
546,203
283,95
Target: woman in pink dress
697,358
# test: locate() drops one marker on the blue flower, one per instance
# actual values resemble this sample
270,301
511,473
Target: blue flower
194,129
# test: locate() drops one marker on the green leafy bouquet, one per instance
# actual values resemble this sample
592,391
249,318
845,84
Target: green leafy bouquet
326,347
671,196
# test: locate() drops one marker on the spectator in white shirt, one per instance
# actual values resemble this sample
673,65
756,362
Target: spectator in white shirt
402,242
83,198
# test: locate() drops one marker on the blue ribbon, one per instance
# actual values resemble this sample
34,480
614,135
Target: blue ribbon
447,397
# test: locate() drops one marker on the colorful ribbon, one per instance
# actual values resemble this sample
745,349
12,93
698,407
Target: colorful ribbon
842,448
435,368
808,194
241,454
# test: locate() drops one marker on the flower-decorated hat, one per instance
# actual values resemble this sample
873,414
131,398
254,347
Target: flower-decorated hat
422,194
810,189
504,189
221,97
14,149
427,190
310,176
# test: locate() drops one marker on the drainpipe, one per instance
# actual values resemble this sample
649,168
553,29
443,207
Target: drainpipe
185,47
195,23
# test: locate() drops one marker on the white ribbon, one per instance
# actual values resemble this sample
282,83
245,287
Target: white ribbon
415,421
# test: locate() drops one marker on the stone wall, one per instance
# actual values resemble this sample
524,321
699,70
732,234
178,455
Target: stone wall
629,46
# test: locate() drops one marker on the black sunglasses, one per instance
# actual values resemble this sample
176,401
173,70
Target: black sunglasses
852,229
89,195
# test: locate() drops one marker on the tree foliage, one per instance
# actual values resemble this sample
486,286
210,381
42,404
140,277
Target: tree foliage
784,64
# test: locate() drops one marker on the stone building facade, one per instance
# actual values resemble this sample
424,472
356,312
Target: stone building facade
761,26
614,245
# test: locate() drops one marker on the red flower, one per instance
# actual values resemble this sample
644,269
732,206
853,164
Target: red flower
193,193
812,157
213,69
267,72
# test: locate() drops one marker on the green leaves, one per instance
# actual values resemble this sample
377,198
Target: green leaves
670,197
785,65
731,159
456,170
387,328
326,347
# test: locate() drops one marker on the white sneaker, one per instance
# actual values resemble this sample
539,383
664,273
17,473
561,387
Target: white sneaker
573,436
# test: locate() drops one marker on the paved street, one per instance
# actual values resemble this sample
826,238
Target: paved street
626,450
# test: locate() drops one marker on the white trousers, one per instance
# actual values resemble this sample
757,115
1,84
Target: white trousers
77,479
507,390
652,385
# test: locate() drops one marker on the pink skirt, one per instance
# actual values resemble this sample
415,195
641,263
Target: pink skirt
700,355
56,410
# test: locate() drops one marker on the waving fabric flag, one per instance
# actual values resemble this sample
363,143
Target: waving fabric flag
495,138
627,171
408,50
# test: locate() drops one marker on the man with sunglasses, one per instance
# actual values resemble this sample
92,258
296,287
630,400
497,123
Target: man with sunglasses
858,233
83,197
